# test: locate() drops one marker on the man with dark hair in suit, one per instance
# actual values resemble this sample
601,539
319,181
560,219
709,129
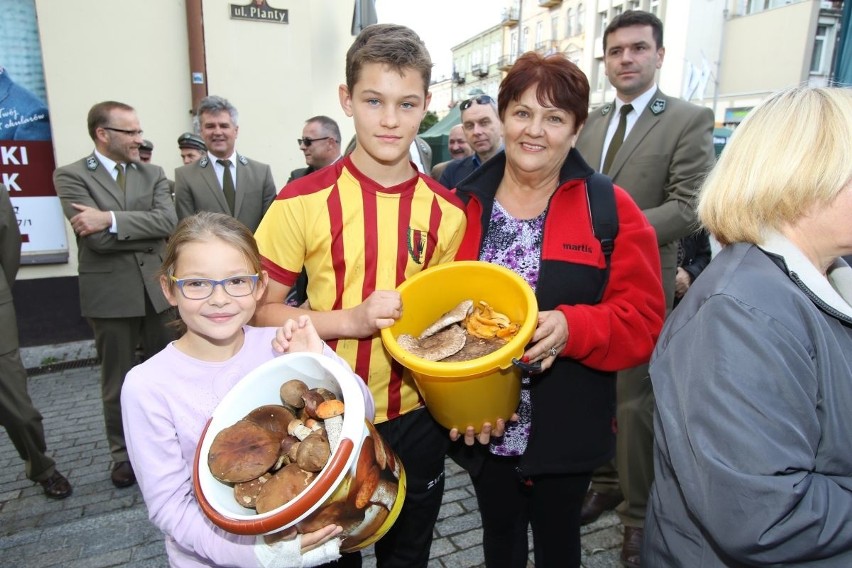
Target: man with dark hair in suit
659,149
320,143
223,181
121,211
17,414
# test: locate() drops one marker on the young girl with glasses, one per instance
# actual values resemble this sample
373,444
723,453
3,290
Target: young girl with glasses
212,274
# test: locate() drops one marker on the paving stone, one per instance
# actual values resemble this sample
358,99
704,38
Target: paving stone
101,526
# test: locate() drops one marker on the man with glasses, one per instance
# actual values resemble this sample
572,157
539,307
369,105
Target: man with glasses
482,128
121,211
320,143
223,181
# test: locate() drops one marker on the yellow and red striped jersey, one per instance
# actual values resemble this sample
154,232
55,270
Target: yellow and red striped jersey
353,237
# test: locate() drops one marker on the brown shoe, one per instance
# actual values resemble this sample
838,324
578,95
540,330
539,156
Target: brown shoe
595,504
122,474
631,548
56,486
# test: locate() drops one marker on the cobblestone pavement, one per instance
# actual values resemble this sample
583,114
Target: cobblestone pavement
101,526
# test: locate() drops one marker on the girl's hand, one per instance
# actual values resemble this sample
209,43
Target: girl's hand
297,335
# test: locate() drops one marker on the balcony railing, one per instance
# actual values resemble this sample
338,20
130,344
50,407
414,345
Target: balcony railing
549,3
510,17
545,47
479,70
506,61
458,78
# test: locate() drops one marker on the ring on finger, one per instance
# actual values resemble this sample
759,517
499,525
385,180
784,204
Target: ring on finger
553,351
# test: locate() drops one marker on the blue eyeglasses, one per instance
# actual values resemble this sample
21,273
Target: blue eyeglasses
201,288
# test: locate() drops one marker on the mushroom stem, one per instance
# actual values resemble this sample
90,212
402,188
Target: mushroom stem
334,430
297,428
385,494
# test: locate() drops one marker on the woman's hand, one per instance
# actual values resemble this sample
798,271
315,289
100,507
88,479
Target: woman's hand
485,433
297,335
549,339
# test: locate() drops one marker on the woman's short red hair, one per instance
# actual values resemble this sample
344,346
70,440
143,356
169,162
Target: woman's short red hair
557,82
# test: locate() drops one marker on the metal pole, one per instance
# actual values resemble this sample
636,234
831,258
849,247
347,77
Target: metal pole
520,29
719,62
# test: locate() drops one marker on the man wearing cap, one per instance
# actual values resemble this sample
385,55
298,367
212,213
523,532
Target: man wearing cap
146,149
192,147
223,181
320,143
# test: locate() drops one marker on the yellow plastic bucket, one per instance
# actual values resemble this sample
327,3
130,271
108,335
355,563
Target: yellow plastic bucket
460,394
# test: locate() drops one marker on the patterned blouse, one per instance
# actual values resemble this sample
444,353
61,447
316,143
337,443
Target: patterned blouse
516,245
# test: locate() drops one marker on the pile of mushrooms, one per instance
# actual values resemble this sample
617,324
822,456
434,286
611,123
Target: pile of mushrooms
464,333
275,452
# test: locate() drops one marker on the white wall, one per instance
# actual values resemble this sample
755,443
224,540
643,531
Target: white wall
277,75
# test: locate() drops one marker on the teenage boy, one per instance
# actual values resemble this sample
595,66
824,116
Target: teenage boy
360,228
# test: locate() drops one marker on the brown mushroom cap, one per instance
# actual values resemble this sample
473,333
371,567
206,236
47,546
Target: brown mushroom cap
291,393
246,492
313,452
312,399
326,394
273,417
374,518
368,485
330,409
338,513
286,484
455,315
435,347
242,452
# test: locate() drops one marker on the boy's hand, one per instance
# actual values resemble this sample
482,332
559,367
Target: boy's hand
297,335
380,310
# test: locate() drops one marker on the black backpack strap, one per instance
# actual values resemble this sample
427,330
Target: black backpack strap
601,195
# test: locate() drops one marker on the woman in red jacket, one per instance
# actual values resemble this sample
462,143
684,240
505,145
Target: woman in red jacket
530,209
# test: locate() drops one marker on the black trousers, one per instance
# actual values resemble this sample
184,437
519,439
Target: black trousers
508,505
421,445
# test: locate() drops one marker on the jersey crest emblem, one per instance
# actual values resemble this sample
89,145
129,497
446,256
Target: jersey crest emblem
417,245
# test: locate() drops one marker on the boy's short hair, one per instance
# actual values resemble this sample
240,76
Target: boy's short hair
391,44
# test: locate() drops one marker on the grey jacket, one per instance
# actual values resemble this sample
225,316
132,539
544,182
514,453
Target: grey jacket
753,424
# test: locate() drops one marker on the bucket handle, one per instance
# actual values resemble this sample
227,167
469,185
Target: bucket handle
528,368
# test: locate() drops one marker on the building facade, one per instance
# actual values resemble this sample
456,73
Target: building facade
724,54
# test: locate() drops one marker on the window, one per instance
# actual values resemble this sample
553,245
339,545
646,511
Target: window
823,39
569,15
617,10
581,19
634,5
603,22
600,84
554,28
538,33
654,8
513,46
755,6
525,39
